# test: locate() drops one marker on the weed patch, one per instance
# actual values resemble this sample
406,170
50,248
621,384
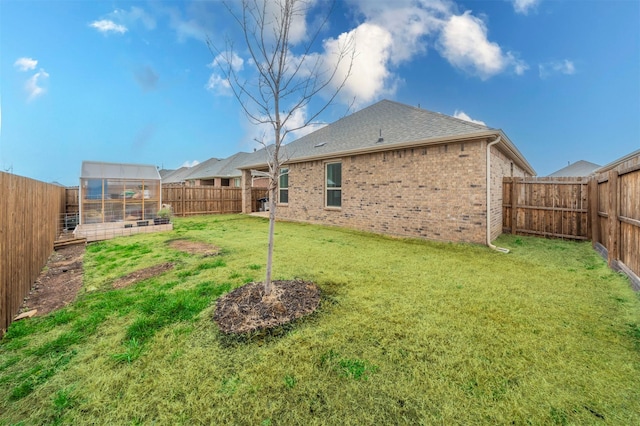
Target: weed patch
352,368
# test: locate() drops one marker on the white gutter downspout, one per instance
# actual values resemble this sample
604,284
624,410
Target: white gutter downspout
489,145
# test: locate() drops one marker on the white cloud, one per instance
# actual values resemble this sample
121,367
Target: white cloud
25,64
464,43
298,119
394,32
565,67
298,28
524,6
190,163
407,21
106,26
33,85
463,116
194,21
370,74
261,135
218,85
120,20
132,16
222,60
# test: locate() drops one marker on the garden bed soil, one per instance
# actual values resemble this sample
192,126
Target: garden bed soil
58,282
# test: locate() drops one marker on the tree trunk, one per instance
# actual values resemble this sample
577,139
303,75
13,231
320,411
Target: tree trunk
272,222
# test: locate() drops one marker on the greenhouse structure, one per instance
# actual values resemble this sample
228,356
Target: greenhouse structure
129,194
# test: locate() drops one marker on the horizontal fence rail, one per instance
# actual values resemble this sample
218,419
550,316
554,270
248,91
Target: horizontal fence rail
196,200
604,208
29,222
615,214
549,207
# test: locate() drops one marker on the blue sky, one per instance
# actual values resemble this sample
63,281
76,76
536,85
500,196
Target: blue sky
123,81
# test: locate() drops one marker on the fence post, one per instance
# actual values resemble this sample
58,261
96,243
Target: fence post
593,225
183,195
614,223
514,205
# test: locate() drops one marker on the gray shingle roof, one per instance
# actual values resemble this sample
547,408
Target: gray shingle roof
177,176
395,123
102,170
227,167
578,169
203,169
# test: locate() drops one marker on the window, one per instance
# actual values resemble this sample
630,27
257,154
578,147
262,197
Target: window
236,182
283,193
224,182
333,184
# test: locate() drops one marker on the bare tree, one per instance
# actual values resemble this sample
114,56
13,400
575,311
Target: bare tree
287,80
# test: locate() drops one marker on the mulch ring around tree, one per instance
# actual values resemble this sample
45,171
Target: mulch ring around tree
141,274
245,309
194,247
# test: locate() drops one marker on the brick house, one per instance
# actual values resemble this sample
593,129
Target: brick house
398,170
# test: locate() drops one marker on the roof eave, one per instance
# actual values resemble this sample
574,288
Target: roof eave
507,144
516,154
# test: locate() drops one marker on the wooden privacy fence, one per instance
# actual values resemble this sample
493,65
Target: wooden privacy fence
194,200
615,214
604,208
29,222
549,207
188,201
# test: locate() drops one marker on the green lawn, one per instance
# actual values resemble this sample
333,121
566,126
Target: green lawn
409,332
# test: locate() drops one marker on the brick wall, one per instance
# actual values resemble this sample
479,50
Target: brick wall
501,167
435,192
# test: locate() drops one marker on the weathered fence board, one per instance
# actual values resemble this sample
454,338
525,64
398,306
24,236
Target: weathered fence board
29,222
604,208
618,212
550,207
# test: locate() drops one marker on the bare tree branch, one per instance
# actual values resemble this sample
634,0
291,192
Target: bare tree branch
285,84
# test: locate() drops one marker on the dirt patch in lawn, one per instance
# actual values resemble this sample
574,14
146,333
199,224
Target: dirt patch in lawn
194,247
58,282
142,274
61,279
246,309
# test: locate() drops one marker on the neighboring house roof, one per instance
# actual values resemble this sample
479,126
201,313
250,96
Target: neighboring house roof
617,162
578,169
212,168
177,176
225,168
200,171
382,126
165,172
102,170
230,166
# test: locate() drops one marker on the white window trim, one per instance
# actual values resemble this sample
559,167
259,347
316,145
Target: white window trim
327,189
287,188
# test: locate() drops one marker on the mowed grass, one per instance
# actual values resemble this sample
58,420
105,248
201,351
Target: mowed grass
409,332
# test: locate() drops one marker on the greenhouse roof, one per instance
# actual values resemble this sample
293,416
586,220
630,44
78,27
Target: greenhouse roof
101,170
